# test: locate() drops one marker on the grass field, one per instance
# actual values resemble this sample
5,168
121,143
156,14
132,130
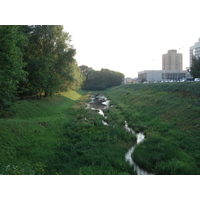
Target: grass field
57,135
52,136
169,115
30,136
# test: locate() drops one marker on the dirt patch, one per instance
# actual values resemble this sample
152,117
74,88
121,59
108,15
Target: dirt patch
45,124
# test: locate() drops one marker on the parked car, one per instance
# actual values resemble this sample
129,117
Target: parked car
183,80
190,79
197,79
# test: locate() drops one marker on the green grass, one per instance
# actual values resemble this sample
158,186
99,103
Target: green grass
168,111
57,135
30,136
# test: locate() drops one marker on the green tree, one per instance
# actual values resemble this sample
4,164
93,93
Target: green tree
75,81
85,71
143,80
100,80
11,65
50,60
195,68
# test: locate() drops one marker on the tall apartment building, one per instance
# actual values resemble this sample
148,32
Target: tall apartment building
195,51
172,61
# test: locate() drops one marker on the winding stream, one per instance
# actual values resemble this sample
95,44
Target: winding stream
100,102
128,158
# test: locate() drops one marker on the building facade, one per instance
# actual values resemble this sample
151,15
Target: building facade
195,51
172,61
128,80
171,69
161,75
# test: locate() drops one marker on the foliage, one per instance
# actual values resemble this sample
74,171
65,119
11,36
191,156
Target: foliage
11,65
35,60
50,63
92,149
85,71
100,80
162,157
143,80
195,68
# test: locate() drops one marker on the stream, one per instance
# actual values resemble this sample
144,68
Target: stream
128,158
100,102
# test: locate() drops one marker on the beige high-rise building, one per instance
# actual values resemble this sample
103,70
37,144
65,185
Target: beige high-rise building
172,61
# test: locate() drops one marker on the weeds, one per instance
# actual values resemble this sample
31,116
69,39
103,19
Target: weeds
169,112
57,135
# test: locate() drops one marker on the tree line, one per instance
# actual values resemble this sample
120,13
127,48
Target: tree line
38,60
34,61
100,80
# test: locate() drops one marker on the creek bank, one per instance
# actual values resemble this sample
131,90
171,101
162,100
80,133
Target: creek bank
128,155
100,102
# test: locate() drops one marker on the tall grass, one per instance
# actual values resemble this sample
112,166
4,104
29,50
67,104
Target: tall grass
168,111
29,137
57,135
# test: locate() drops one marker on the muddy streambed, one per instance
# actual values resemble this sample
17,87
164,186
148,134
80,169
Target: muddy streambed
100,102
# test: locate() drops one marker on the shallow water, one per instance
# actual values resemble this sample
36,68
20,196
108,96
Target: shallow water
100,102
128,157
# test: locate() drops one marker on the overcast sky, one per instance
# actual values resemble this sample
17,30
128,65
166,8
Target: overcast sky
122,35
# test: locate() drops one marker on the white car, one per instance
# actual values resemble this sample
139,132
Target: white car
197,79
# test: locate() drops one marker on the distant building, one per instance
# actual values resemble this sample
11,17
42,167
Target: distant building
172,61
171,69
195,51
128,80
161,75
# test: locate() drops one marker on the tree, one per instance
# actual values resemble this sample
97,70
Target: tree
85,71
143,80
50,60
11,64
77,78
195,68
100,80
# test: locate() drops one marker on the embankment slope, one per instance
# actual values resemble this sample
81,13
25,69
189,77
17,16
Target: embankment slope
169,115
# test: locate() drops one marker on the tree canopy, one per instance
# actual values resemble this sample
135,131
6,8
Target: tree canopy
100,80
195,68
34,61
38,60
50,60
11,64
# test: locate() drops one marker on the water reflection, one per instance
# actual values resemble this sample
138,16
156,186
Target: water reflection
128,157
100,102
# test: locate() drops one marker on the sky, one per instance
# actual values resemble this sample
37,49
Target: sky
122,35
131,36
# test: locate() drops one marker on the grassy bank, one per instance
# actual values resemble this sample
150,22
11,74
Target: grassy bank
29,138
169,115
57,135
